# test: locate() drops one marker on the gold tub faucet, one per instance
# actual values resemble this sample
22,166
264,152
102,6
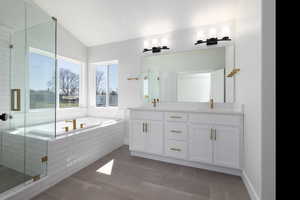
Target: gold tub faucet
74,123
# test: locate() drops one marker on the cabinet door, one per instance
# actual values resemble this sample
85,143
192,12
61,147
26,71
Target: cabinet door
154,139
200,146
226,146
137,135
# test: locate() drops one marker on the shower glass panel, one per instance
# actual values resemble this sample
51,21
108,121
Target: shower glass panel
27,92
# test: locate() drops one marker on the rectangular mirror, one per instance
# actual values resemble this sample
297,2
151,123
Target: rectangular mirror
189,76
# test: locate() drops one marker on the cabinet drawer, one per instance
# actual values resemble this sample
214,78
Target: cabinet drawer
176,149
173,116
176,131
234,120
146,115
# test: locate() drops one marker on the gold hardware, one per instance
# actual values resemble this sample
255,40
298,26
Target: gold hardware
175,131
44,159
82,125
36,178
133,79
66,129
15,100
154,103
215,131
175,117
211,103
146,96
74,123
175,149
233,72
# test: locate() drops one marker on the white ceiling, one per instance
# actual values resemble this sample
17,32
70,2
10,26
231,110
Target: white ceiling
97,22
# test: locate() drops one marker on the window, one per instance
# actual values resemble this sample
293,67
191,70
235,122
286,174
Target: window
69,82
106,85
42,80
41,84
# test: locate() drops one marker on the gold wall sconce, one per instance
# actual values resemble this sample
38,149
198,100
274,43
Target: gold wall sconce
233,72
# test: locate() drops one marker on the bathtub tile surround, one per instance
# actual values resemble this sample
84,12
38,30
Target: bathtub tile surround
72,152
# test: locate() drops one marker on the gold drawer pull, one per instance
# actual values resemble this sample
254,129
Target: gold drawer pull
175,117
175,131
175,149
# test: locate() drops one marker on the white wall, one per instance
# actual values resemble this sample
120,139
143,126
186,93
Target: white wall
249,87
129,54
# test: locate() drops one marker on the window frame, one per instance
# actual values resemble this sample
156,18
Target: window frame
92,84
82,79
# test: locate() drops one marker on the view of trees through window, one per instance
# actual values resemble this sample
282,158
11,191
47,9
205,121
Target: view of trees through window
106,85
41,73
69,81
42,82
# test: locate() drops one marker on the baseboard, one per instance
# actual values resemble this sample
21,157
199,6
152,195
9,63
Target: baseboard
215,168
249,186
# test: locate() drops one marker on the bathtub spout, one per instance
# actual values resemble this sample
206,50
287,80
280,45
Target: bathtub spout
74,123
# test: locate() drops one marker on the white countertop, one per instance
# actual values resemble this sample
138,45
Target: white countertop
190,110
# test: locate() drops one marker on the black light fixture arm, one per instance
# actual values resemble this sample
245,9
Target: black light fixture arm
156,49
212,41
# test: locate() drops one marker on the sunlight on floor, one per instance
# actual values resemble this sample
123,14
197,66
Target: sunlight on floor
107,168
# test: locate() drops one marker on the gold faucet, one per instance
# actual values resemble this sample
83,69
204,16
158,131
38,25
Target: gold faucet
211,103
74,123
154,103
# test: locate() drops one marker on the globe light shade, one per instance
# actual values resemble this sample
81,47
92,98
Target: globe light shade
146,44
201,35
164,42
154,42
212,33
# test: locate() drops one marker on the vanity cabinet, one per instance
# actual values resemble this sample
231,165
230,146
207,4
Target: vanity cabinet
146,136
201,144
217,145
208,140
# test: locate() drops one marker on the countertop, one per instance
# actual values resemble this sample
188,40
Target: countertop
189,110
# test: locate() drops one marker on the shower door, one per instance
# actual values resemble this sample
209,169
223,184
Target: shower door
27,92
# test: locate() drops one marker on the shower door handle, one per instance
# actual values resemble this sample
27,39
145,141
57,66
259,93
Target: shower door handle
4,117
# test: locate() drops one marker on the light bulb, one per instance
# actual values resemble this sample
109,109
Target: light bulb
154,42
212,33
225,32
164,42
201,35
146,44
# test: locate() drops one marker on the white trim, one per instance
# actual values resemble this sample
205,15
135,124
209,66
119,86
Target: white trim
252,193
105,62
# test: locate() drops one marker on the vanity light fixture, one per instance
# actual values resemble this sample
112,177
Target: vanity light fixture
156,47
212,37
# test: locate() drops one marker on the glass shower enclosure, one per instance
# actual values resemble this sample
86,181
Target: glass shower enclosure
27,92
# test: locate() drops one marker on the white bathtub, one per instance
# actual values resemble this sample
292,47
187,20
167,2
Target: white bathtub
46,131
40,140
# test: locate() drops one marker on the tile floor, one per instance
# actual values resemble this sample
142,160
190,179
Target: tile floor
10,178
119,176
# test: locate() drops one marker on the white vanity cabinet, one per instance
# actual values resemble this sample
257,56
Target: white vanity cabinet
219,145
204,140
146,134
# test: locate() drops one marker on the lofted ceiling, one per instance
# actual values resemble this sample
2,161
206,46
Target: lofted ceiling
96,22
